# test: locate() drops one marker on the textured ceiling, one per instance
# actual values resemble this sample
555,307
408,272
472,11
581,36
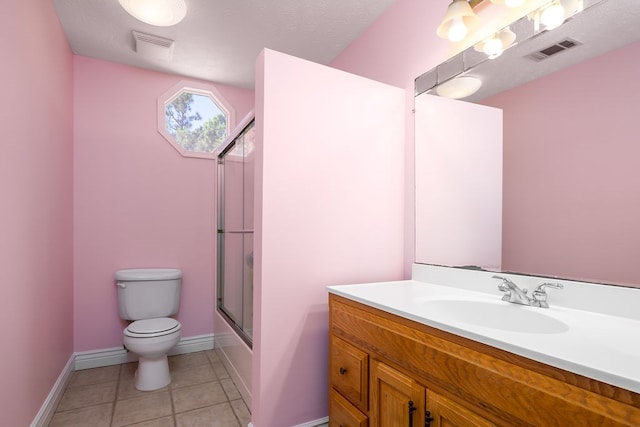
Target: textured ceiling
219,40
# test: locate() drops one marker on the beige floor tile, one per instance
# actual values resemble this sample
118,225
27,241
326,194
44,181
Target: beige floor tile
188,360
220,370
230,389
159,422
241,411
95,416
144,408
212,355
127,390
186,376
212,416
95,376
94,396
89,395
198,396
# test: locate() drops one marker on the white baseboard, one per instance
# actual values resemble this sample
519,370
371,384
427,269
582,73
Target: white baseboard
44,415
322,422
118,355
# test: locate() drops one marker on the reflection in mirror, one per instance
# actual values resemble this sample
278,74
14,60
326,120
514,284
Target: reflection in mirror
571,183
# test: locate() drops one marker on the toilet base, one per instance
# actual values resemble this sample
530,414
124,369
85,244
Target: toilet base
152,373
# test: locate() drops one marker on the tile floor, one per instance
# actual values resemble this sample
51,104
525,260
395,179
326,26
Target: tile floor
201,393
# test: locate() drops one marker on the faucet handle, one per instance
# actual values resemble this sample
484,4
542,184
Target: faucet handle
507,284
540,294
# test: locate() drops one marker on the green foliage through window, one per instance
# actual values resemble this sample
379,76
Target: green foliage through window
196,122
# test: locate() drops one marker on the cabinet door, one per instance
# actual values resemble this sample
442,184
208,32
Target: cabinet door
344,414
447,413
396,399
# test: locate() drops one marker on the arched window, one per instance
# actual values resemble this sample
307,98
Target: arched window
194,118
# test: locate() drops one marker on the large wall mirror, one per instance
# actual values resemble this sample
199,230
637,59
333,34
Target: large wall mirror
571,144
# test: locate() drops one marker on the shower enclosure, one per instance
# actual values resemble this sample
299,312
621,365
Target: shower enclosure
235,232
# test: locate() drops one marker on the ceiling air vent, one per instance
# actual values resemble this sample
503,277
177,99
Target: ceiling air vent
553,49
153,47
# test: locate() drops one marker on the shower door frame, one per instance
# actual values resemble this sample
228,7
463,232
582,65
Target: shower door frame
224,150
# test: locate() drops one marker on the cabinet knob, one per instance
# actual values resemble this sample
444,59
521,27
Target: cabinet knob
343,370
428,419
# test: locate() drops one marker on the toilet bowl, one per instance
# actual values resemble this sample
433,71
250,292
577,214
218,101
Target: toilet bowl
151,339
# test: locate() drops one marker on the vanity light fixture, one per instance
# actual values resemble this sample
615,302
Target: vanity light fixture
508,3
456,22
552,16
161,13
497,43
493,47
459,87
556,13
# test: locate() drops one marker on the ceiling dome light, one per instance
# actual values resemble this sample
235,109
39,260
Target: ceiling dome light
552,16
459,87
508,3
161,13
456,22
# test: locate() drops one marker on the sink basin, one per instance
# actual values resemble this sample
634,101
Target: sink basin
495,315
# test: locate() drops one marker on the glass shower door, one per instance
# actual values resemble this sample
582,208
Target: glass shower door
235,233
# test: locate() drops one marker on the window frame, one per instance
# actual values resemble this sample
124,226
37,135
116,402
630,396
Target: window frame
195,88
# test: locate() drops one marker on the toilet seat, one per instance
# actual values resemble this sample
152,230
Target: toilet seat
151,328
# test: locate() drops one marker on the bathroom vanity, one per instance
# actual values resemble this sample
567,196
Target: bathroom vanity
409,354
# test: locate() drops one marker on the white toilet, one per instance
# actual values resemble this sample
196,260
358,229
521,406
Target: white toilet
148,296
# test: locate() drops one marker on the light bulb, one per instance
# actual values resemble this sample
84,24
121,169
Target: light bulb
457,30
513,3
553,16
493,47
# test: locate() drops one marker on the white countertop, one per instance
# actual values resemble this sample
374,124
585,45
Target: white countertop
601,346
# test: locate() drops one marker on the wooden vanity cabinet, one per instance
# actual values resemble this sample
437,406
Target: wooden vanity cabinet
388,371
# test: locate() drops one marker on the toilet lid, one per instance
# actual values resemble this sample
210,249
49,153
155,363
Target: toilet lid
152,327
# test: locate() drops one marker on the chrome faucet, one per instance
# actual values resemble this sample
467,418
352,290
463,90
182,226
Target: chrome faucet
540,295
513,294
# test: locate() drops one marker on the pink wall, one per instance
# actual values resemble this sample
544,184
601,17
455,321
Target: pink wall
396,49
36,254
329,198
571,190
138,202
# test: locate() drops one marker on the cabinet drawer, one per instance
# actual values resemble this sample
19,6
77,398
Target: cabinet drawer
344,414
349,372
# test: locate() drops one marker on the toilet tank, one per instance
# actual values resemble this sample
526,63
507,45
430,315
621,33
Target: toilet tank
146,293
